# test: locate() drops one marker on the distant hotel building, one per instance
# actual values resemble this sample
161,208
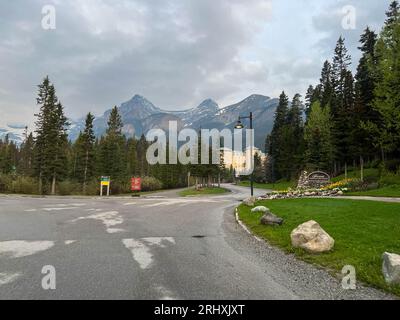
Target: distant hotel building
237,160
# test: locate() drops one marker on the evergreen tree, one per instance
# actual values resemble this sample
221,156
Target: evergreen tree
112,149
84,153
326,85
26,150
387,85
51,137
277,144
318,137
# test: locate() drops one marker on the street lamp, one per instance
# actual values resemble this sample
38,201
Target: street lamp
239,125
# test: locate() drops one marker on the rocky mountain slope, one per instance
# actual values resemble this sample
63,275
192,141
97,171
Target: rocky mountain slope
139,116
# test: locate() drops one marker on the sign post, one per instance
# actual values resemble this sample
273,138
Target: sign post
136,186
105,182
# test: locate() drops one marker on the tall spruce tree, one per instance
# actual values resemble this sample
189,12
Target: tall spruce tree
84,165
113,149
387,85
364,96
51,137
318,138
277,139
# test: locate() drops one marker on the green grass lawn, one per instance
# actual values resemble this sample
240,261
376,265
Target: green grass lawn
278,186
388,191
368,173
203,192
363,231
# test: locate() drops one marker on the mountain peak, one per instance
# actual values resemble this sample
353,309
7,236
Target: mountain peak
208,104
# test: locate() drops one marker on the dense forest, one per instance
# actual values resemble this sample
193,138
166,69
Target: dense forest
346,121
351,120
48,163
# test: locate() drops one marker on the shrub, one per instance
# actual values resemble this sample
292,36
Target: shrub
93,188
18,184
66,188
25,185
390,179
151,184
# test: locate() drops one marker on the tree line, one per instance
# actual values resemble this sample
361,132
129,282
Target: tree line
49,161
345,119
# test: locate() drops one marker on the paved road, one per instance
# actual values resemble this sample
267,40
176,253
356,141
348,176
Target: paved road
158,247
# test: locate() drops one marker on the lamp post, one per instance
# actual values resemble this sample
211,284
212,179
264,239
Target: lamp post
239,125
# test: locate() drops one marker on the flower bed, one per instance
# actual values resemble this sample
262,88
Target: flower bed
332,190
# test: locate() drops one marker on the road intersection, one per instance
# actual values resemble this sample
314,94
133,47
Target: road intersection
156,247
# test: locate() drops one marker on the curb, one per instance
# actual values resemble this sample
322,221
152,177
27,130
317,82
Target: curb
245,227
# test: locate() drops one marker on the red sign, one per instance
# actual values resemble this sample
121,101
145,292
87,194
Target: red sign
136,184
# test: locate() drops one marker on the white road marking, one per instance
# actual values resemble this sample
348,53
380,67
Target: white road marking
8,278
159,241
115,230
59,209
19,249
141,252
68,242
166,294
109,219
30,210
129,204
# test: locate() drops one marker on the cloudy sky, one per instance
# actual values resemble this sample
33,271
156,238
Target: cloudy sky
174,52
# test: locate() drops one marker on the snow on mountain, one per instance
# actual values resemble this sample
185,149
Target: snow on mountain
15,132
139,116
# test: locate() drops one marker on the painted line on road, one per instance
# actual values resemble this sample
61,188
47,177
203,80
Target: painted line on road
140,249
20,249
6,278
109,219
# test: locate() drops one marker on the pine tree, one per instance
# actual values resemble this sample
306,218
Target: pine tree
51,137
342,106
84,165
326,85
277,140
318,137
364,96
387,85
26,151
294,144
112,149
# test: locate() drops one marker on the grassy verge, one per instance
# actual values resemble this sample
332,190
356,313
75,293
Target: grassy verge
203,192
372,174
278,186
388,191
363,231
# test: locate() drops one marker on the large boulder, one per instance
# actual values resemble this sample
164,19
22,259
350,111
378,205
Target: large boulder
391,268
311,237
250,202
260,209
270,219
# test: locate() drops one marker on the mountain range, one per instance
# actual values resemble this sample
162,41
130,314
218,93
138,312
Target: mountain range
139,116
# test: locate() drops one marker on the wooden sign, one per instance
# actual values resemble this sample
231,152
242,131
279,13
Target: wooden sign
319,178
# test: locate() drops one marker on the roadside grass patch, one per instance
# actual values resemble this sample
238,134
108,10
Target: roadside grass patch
387,191
203,192
363,231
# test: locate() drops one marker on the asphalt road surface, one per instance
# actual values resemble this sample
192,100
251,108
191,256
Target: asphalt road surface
155,247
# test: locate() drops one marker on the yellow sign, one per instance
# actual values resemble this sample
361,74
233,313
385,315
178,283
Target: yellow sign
105,183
